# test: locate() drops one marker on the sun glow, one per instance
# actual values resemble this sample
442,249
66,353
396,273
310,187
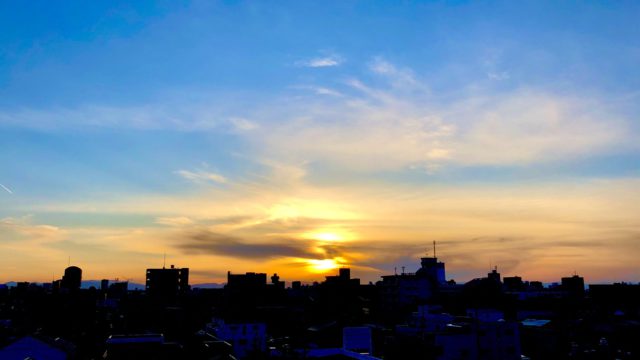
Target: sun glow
329,235
326,236
324,265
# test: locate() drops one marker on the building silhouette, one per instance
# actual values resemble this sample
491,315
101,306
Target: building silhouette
573,285
275,281
342,279
72,278
247,281
405,289
494,275
513,283
433,269
167,282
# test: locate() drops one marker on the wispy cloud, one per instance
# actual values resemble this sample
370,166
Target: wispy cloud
319,62
320,90
401,78
174,115
201,176
6,188
175,221
382,127
23,228
242,124
503,75
393,121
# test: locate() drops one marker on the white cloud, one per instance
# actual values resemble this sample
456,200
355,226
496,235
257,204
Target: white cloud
531,126
318,90
23,227
326,61
399,78
392,122
175,221
181,116
503,75
383,128
201,176
242,124
326,91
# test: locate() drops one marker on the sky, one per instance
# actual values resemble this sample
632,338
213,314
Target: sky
296,137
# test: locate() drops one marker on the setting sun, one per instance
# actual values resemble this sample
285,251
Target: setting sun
324,265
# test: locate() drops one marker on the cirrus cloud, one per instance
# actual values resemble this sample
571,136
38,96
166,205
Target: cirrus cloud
380,128
320,62
202,176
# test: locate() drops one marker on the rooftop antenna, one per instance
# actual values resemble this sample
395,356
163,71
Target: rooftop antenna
403,270
434,249
395,270
164,260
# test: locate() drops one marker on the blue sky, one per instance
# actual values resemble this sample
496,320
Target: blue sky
141,128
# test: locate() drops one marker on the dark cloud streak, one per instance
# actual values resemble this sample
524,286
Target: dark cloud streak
207,242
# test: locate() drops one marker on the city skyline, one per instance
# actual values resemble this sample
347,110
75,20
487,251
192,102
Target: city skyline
322,275
298,138
429,266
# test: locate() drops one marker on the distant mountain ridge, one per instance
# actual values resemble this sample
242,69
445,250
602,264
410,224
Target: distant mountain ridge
86,284
208,286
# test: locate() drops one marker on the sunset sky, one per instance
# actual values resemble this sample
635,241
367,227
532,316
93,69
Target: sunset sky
297,137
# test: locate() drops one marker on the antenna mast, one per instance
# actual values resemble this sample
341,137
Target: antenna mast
164,260
434,249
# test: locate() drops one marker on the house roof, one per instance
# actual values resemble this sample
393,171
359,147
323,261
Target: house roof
29,346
